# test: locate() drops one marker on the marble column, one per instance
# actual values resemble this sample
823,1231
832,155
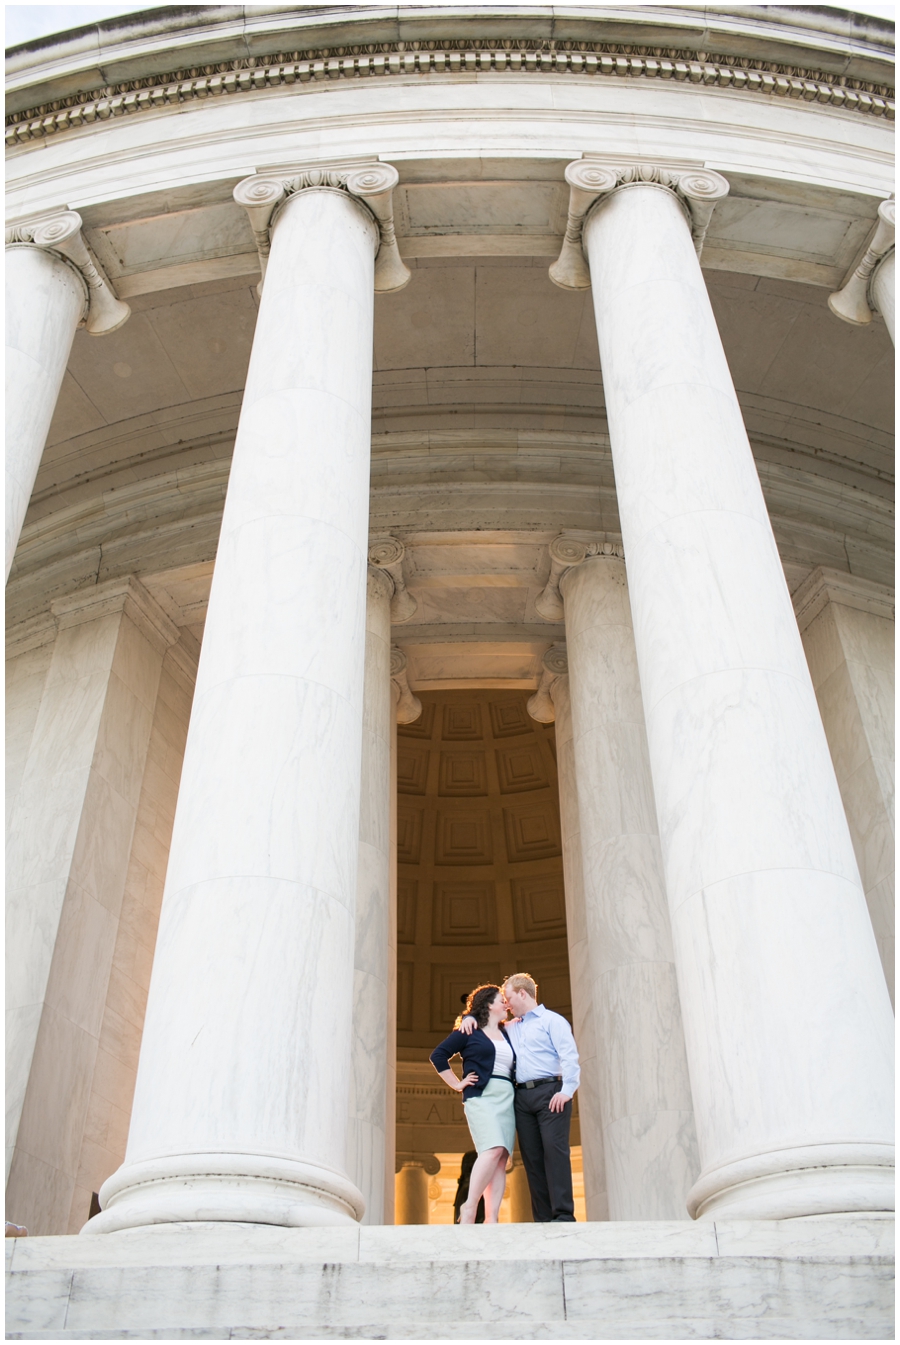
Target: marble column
52,285
551,704
242,1097
371,1043
883,290
847,627
788,1025
412,1193
649,1139
406,708
871,286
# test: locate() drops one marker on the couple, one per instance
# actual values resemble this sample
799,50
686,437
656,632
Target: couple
517,1076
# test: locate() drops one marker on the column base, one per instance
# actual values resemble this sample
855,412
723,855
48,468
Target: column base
816,1180
227,1188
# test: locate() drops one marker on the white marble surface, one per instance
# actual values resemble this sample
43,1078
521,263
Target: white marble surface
787,1020
850,651
583,999
367,1136
45,299
645,1096
763,1280
70,840
884,291
255,950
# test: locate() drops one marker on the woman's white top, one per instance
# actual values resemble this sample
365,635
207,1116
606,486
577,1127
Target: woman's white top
503,1058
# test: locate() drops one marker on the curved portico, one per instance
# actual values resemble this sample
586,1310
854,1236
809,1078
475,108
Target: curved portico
363,350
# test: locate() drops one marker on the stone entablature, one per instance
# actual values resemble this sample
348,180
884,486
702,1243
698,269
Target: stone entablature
452,57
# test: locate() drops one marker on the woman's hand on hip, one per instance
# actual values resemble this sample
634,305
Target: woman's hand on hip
468,1081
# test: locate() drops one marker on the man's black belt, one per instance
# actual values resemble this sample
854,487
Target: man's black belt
533,1083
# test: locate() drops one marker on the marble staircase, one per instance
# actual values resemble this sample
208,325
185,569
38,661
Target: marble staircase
797,1280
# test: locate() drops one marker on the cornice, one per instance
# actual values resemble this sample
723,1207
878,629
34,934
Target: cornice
445,59
126,595
826,586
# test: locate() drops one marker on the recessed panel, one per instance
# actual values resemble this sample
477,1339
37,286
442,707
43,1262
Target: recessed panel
423,726
509,719
464,913
404,996
462,775
539,908
551,971
451,983
409,834
412,768
462,722
532,832
520,769
463,838
407,900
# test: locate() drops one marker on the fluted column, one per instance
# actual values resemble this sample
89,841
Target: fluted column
52,285
787,1019
242,1098
871,286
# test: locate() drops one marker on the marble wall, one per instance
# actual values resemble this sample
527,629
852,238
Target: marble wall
112,1083
847,626
70,838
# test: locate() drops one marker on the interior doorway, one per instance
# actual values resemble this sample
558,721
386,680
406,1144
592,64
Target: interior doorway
480,895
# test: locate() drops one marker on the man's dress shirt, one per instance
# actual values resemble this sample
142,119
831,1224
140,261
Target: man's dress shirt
544,1047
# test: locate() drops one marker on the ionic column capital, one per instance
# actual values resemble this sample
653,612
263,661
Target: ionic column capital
371,183
854,301
429,1162
566,550
698,191
407,705
554,665
61,235
386,554
378,584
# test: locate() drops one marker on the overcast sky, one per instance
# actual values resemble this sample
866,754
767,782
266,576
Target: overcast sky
24,22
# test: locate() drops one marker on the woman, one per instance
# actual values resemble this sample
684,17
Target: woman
488,1097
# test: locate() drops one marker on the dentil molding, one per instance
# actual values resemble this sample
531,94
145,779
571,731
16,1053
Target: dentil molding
698,190
370,182
566,550
449,58
61,235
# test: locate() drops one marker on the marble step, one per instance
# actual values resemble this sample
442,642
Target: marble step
801,1279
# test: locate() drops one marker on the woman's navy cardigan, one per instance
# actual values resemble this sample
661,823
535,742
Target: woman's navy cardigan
477,1053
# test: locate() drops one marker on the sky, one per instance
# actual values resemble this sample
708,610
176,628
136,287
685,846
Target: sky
25,22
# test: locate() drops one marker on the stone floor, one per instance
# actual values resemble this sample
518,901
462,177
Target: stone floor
801,1280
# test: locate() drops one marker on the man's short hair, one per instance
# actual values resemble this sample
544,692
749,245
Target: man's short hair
522,981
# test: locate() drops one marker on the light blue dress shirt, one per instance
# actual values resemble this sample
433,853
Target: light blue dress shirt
544,1047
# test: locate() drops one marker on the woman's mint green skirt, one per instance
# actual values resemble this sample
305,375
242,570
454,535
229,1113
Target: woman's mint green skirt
492,1117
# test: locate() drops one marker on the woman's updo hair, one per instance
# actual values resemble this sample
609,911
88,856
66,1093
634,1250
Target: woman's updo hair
479,1002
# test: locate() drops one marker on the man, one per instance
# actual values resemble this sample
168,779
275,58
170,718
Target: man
547,1074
